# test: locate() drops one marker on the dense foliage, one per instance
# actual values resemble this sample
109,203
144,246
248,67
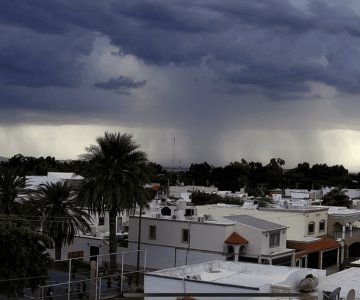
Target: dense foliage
336,198
61,217
256,177
115,174
23,261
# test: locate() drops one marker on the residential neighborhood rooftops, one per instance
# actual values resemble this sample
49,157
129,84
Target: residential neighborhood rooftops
255,222
335,210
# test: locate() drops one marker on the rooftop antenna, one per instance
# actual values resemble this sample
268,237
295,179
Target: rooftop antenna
173,163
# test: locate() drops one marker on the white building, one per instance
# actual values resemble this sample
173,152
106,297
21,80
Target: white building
95,241
179,239
306,230
227,277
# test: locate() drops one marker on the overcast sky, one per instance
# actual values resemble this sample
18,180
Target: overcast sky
229,79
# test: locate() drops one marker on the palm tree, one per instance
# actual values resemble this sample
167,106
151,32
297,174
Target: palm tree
61,217
11,191
114,172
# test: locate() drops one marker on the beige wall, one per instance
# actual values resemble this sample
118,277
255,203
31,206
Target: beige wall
297,222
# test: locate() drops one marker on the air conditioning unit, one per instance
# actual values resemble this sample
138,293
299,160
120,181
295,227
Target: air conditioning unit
208,217
93,229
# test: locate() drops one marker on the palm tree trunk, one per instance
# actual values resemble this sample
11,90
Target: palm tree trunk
58,246
112,238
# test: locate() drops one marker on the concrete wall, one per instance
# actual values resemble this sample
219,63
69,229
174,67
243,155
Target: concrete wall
100,230
155,284
169,233
82,244
161,257
315,217
297,221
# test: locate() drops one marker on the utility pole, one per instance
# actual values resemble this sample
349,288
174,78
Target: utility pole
93,279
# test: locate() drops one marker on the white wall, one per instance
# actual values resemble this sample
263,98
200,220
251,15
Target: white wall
154,284
82,244
161,257
101,229
169,232
315,217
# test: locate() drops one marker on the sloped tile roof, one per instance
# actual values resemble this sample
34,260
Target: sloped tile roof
235,239
324,243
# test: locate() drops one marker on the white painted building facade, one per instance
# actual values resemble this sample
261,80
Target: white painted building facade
170,241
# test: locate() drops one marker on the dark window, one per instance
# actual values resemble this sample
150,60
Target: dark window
311,228
185,236
274,240
322,225
152,232
101,221
189,212
166,211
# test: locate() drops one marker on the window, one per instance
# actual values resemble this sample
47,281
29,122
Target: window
152,232
119,225
101,221
311,228
76,254
274,240
185,236
189,212
322,225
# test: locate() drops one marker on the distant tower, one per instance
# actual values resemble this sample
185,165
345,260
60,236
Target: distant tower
173,162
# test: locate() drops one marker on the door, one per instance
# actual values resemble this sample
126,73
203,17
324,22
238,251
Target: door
93,252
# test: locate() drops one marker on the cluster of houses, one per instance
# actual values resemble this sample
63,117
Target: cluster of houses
229,247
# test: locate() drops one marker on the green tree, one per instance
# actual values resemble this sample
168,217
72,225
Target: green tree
336,198
11,191
61,217
115,169
23,261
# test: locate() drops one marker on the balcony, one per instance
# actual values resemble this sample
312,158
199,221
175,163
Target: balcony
348,233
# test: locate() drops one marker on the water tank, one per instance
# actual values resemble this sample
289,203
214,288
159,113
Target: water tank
180,204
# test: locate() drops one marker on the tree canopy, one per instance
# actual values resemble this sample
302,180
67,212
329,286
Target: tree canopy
61,217
23,261
336,198
114,172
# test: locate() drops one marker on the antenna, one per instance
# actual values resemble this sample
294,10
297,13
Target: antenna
173,162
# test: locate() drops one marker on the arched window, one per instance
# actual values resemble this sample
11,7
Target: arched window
242,250
230,253
311,228
322,226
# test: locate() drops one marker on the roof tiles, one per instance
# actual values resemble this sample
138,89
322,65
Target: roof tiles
235,239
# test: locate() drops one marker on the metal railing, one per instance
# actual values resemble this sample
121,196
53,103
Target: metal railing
348,233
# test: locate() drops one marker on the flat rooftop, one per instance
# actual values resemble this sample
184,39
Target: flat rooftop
347,279
247,275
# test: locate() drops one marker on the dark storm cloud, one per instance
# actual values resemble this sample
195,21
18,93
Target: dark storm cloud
267,47
28,58
120,84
